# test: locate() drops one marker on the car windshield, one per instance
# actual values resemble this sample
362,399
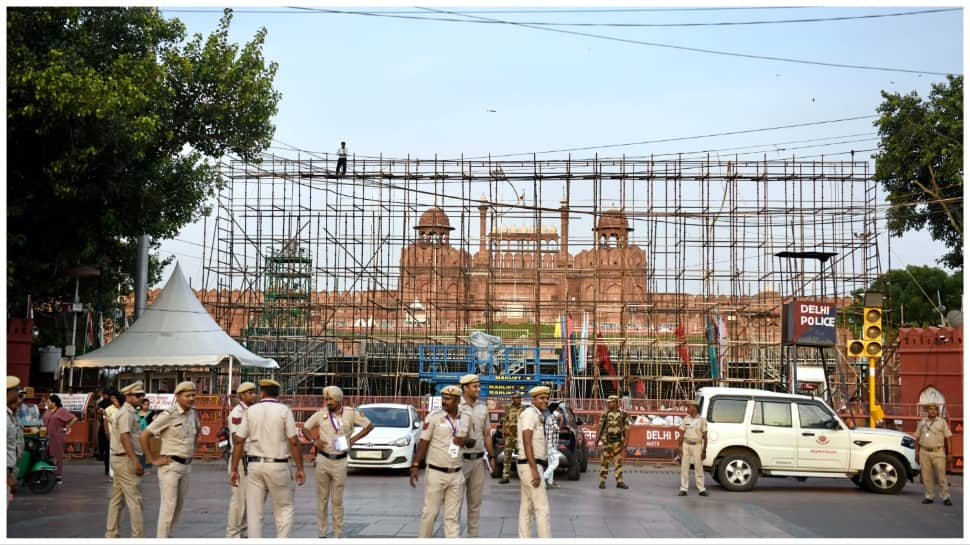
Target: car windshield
387,417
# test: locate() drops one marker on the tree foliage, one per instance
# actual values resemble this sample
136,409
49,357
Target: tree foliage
911,297
115,125
920,164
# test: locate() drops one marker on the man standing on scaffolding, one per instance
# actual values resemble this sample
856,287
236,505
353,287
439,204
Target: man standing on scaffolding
342,160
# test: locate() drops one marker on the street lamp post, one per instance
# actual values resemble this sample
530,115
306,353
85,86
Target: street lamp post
77,272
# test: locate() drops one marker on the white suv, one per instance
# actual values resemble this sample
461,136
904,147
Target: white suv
755,432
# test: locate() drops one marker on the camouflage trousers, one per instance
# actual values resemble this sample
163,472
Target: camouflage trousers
611,453
507,463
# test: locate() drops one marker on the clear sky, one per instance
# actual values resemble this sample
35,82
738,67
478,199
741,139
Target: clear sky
398,86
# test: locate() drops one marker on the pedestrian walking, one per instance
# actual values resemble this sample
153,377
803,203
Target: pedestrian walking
444,482
58,421
246,392
124,451
477,443
178,427
552,424
269,429
15,433
145,417
102,451
510,427
693,448
933,451
334,436
342,160
533,502
613,433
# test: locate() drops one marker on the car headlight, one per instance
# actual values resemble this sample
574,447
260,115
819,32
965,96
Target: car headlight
402,442
908,442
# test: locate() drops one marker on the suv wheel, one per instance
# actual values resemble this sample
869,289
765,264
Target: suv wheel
884,474
738,472
572,472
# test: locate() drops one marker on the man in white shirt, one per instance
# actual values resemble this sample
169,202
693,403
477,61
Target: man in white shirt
342,160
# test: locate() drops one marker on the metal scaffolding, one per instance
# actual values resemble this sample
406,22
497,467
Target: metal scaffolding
671,262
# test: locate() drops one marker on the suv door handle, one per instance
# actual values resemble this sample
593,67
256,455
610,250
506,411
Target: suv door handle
807,434
757,431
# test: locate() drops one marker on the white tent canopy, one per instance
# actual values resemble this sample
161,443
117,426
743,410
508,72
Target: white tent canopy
175,331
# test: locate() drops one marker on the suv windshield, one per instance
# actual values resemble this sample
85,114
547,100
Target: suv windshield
387,417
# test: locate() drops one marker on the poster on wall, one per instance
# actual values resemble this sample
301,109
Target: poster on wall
160,402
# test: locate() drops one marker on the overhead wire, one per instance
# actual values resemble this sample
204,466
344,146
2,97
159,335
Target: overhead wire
703,50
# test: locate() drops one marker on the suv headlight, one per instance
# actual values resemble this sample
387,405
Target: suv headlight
909,442
402,442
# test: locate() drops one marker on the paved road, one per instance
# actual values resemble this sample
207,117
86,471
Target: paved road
382,505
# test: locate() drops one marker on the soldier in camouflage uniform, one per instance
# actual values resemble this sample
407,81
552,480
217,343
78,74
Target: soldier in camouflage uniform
613,433
510,429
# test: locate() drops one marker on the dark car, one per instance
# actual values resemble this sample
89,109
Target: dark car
573,450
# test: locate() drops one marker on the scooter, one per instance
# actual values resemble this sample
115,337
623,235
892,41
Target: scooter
34,469
224,446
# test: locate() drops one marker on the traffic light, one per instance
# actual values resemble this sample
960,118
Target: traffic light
855,348
872,332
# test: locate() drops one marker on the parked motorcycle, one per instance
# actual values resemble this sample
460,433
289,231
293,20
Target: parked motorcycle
34,469
224,446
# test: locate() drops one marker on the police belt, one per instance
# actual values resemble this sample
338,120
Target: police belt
340,456
930,449
119,454
252,459
179,459
473,455
542,463
444,469
692,442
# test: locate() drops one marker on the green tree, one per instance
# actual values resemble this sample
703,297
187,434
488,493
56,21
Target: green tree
920,164
911,297
115,126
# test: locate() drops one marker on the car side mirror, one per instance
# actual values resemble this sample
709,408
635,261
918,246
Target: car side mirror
579,421
417,425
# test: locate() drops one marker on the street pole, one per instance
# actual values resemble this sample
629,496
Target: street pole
77,299
875,411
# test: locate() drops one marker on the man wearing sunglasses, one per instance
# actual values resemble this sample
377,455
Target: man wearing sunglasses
125,450
15,432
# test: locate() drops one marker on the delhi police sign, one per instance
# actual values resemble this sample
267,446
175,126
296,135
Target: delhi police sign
808,323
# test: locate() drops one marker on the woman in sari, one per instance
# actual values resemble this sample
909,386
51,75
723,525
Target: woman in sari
58,421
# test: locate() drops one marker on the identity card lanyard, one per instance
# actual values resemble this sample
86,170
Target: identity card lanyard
336,423
454,426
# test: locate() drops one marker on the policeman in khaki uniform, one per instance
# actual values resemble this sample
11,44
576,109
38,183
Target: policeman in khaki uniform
510,430
533,502
178,427
445,480
246,392
693,448
267,435
614,425
477,442
933,450
333,440
125,450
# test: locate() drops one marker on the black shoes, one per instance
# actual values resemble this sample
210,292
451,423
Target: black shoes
682,493
947,502
504,480
703,492
927,500
622,485
602,484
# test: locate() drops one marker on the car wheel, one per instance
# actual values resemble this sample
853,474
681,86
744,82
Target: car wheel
584,463
738,472
716,475
884,474
572,472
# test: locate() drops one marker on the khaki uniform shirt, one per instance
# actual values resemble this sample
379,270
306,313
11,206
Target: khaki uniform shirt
439,430
267,427
124,420
333,425
474,423
235,419
15,438
694,428
531,419
932,433
177,428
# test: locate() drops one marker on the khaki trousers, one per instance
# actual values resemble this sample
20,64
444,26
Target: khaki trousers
933,470
474,472
273,479
692,455
446,488
125,490
533,504
173,485
237,507
331,475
